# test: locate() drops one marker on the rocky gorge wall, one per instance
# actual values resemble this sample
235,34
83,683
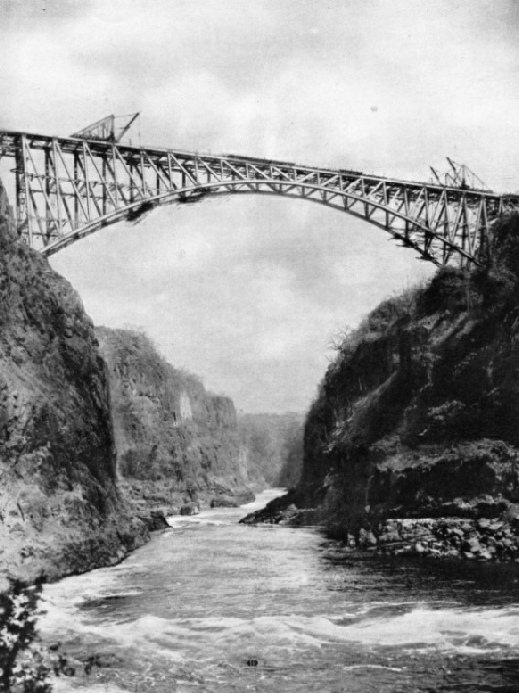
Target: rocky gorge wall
176,443
273,447
413,441
60,511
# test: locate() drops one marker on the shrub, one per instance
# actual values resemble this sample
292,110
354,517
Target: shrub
21,663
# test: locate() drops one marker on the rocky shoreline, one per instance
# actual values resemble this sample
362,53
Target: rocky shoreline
451,537
47,557
481,539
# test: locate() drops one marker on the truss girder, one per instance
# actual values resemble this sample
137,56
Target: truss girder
67,188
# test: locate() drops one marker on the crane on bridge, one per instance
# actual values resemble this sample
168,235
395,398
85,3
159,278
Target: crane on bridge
460,176
104,130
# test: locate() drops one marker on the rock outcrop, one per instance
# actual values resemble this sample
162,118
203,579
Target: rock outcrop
417,420
59,508
177,445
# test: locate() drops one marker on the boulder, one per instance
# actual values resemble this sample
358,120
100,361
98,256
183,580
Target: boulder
154,520
189,509
224,502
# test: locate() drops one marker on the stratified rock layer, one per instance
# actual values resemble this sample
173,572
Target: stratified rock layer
59,509
418,417
176,444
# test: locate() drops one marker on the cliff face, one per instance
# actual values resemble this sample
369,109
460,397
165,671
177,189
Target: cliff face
273,445
175,442
59,509
292,465
419,414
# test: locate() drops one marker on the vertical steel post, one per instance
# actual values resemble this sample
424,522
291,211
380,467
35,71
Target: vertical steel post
87,182
104,183
22,191
76,190
59,230
49,223
114,171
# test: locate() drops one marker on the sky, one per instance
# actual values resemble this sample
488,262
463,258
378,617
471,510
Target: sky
249,292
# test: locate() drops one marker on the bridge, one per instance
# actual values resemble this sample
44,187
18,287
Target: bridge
70,187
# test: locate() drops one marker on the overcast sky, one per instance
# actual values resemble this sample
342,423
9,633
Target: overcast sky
247,292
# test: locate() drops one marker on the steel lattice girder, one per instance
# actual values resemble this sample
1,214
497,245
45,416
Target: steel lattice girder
67,188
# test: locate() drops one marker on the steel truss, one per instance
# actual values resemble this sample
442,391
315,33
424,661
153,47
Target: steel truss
68,188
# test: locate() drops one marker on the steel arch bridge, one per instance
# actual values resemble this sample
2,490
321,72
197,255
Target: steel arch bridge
70,187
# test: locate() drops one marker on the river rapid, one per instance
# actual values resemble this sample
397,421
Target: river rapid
211,605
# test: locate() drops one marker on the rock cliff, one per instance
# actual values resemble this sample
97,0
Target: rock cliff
273,446
59,508
177,445
418,417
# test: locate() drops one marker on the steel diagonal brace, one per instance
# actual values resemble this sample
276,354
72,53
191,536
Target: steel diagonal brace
437,212
210,170
88,185
395,204
370,195
114,185
282,172
299,181
159,174
101,177
260,172
38,177
134,184
235,170
349,190
184,170
60,196
72,181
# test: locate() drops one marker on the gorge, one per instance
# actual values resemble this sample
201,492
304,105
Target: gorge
409,450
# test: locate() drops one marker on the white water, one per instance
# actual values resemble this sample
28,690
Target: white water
187,611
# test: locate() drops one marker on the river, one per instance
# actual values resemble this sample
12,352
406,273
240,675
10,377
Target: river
210,605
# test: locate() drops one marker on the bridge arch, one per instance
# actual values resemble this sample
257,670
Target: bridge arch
341,201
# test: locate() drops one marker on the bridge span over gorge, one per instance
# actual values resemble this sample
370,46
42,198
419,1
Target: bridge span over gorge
70,187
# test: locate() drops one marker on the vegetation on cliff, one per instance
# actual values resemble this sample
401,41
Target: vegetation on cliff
418,415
